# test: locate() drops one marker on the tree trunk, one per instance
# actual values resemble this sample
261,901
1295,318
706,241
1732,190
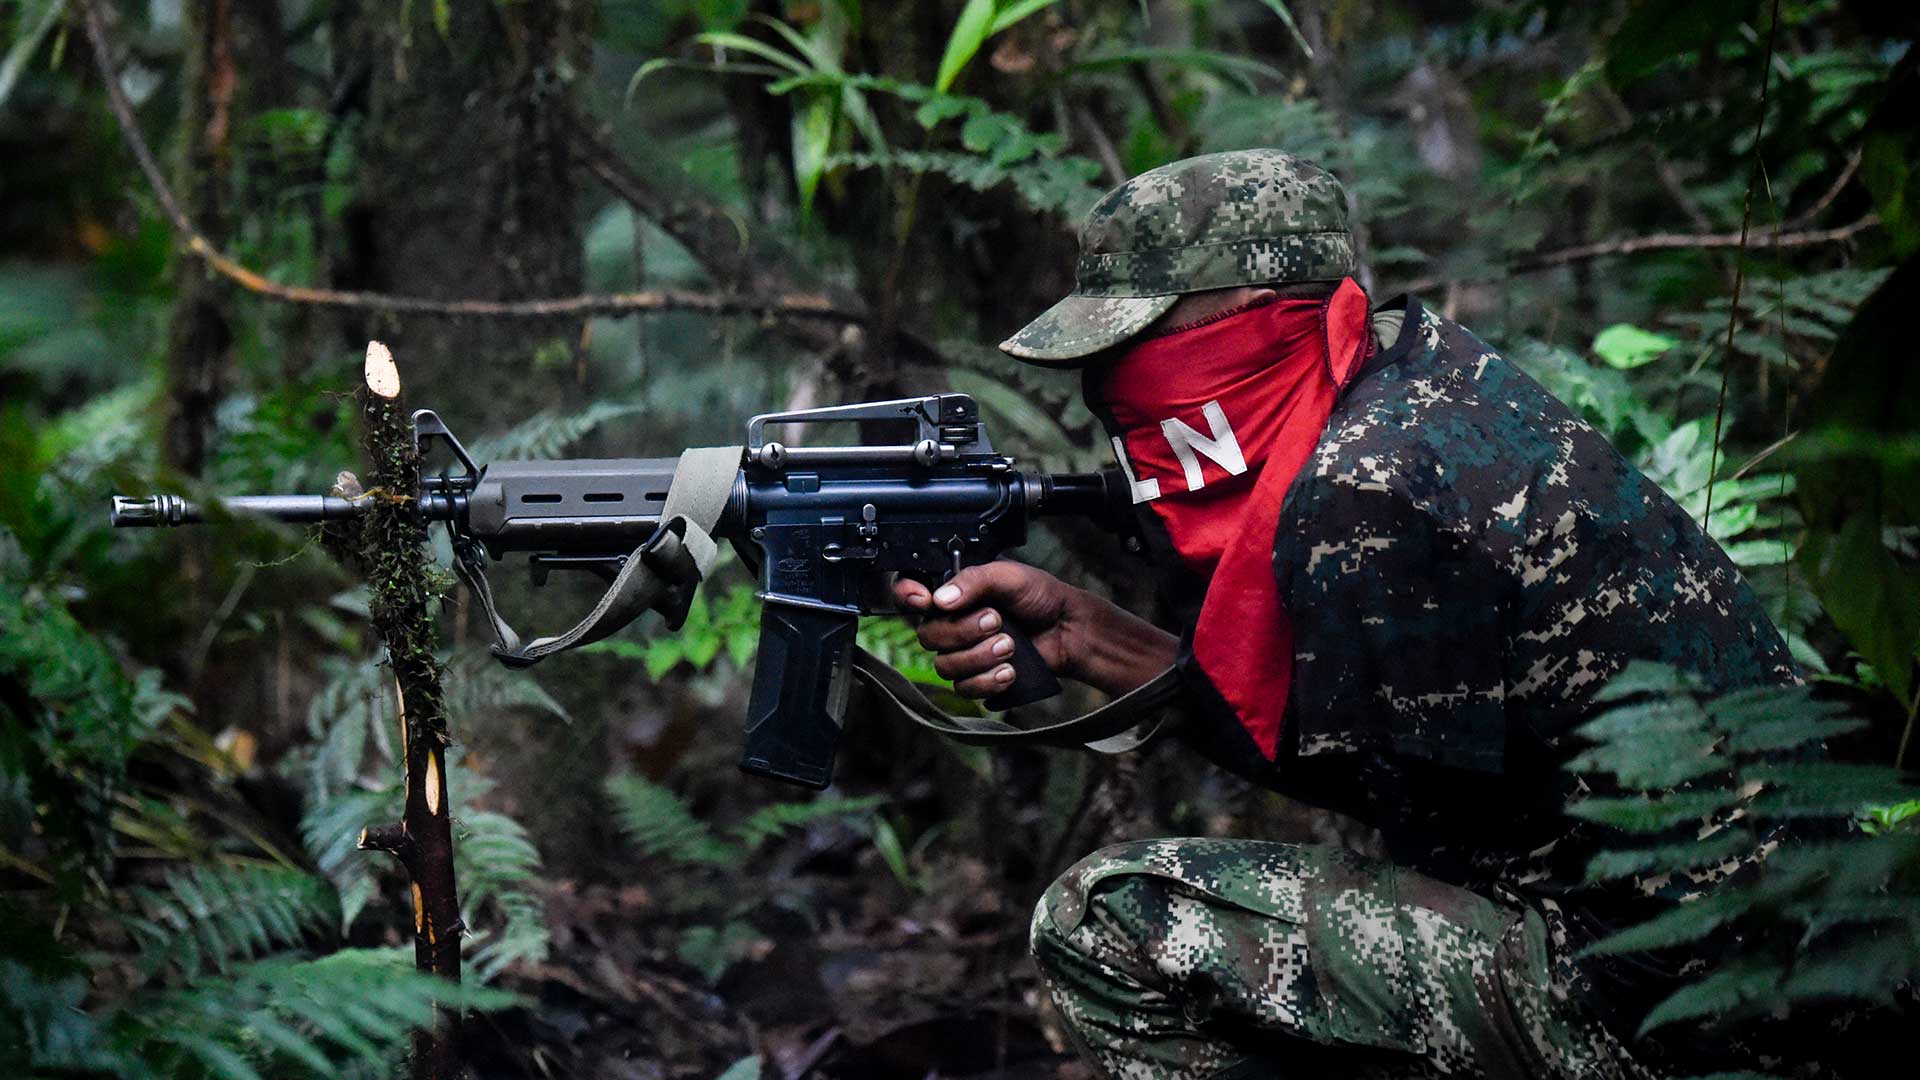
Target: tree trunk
465,191
230,74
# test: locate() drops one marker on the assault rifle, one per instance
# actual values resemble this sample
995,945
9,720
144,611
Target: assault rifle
821,525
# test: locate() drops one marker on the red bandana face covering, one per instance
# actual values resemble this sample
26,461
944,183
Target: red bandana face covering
1215,421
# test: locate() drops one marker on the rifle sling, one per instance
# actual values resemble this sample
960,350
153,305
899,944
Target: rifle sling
677,556
1128,722
681,552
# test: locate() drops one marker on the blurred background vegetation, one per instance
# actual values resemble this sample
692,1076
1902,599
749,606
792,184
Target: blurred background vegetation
196,724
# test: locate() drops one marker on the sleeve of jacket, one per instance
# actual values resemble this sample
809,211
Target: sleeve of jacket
1401,627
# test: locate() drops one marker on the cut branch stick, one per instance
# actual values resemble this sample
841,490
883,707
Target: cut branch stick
388,544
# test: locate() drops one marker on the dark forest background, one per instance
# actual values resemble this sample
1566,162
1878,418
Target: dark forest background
1695,222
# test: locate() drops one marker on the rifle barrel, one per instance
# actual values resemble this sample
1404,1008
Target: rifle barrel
164,511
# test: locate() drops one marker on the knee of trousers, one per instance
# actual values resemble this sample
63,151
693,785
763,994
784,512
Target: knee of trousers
1060,910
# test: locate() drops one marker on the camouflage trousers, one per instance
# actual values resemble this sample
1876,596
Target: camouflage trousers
1239,958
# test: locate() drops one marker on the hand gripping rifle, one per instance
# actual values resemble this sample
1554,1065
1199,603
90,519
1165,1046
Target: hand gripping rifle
822,525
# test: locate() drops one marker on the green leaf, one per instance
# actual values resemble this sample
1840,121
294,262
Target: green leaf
1857,478
1685,922
1279,7
1240,69
887,841
1017,11
728,40
1825,788
1669,858
747,1068
771,821
659,824
221,1060
1721,992
1644,815
1656,31
1655,759
1750,553
969,33
812,139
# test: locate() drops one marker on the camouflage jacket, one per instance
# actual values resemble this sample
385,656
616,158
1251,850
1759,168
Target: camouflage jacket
1465,562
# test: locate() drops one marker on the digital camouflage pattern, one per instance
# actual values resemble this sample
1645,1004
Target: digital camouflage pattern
1465,562
1244,217
1184,959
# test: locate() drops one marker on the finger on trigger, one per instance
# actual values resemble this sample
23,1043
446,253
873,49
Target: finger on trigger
910,593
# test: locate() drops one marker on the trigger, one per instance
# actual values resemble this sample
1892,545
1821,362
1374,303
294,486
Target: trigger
955,547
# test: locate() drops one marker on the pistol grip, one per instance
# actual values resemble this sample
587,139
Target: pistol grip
1032,679
800,685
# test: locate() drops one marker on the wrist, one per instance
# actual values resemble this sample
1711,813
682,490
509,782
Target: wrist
1112,649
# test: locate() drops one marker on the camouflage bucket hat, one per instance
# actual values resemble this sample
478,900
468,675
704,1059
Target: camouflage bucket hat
1244,217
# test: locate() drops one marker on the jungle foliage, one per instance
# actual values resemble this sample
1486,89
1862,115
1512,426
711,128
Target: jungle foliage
194,727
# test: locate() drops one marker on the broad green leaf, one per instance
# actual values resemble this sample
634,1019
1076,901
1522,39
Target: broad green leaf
1872,597
1859,477
969,33
1750,553
812,138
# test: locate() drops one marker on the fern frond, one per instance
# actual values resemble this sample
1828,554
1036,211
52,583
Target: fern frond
1642,814
1819,921
1654,759
1670,858
771,821
477,683
1063,185
1824,789
498,866
1686,923
658,823
211,916
330,832
282,1018
548,434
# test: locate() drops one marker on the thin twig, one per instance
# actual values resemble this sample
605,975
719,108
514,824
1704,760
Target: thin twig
782,305
1776,446
1740,265
1826,198
1637,245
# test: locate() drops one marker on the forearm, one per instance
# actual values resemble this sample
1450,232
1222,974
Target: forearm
1112,649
